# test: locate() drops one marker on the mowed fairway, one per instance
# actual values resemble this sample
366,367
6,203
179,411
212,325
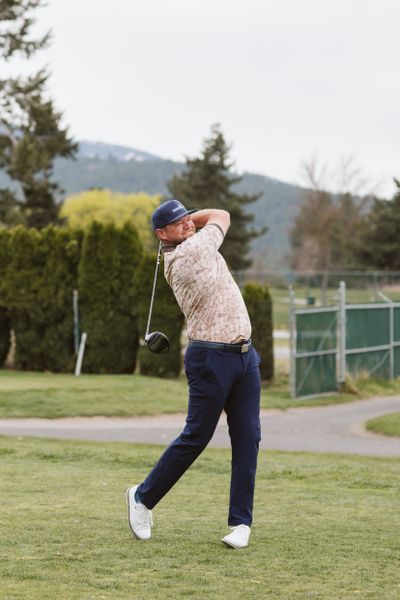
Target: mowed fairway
326,526
50,395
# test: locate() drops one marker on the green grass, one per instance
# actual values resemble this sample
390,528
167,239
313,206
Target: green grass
386,424
52,396
326,527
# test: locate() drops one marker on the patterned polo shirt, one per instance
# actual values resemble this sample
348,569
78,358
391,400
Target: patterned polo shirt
205,290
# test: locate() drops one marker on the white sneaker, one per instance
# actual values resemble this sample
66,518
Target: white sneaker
139,517
238,538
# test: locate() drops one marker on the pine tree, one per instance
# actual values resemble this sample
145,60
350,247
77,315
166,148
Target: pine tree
31,136
207,183
380,239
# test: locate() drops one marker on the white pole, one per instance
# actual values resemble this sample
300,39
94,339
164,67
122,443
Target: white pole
292,329
391,331
342,332
80,354
391,334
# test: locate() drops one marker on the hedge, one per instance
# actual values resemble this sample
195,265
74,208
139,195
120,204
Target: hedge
5,323
37,290
110,256
259,305
39,271
167,317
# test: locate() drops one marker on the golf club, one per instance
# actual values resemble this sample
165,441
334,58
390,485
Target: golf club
156,341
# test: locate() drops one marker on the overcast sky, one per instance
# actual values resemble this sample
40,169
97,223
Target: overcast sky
285,78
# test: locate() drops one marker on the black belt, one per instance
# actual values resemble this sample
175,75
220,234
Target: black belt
242,347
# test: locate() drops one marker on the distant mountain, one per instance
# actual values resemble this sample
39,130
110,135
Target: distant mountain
109,151
123,169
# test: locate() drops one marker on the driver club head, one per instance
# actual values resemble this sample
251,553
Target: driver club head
157,342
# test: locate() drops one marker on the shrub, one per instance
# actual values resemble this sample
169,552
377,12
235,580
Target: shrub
167,317
37,288
5,323
5,336
61,249
259,305
110,257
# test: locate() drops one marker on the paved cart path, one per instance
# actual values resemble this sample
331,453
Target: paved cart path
336,428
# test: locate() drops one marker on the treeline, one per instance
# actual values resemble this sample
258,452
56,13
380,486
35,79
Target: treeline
345,230
39,270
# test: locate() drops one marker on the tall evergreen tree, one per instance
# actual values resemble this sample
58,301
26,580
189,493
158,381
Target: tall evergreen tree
207,183
380,237
31,135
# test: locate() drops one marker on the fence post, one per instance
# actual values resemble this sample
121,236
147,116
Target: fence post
292,330
391,331
81,352
342,332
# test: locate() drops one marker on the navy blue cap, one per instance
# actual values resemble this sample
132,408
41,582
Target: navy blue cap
168,212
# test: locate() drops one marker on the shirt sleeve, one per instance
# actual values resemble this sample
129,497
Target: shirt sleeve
201,248
209,239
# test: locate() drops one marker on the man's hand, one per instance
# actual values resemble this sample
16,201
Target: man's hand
211,215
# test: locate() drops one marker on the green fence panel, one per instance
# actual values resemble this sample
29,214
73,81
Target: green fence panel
396,361
396,324
396,340
375,363
315,375
316,331
368,346
367,327
315,336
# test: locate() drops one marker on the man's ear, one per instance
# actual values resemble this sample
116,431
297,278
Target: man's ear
160,233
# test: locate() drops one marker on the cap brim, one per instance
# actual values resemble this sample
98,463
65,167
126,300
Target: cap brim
189,212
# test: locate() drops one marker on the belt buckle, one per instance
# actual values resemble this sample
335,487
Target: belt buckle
244,348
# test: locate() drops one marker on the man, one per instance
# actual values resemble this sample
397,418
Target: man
221,365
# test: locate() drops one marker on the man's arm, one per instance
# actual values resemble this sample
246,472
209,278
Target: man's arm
212,215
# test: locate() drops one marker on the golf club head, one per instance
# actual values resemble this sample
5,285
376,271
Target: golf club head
157,342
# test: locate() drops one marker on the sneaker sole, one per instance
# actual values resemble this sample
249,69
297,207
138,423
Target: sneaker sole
229,545
129,513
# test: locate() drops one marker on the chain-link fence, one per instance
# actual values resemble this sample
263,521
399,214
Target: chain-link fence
374,280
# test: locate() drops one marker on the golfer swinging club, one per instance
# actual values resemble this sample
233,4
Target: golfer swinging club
221,365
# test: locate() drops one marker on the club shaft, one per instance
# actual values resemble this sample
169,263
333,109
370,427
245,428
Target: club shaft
154,289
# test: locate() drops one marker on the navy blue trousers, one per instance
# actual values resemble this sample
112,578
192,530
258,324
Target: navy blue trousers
217,381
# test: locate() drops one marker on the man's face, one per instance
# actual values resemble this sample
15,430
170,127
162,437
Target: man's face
178,231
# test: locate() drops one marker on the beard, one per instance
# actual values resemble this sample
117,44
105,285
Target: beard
187,235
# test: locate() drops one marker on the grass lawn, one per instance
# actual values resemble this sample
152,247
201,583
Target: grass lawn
51,396
326,527
386,424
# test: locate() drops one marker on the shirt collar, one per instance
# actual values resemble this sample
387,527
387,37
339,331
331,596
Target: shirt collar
168,247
